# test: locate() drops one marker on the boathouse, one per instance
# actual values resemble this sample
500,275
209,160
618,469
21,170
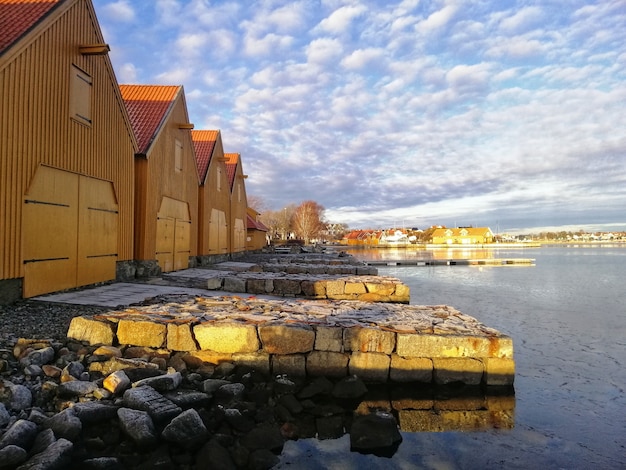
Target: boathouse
214,196
238,203
66,158
256,231
166,178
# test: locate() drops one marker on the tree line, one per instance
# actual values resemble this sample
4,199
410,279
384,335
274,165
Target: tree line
304,222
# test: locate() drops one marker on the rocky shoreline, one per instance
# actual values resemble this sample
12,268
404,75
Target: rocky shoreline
65,404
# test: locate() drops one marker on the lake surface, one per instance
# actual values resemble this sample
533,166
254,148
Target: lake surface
567,317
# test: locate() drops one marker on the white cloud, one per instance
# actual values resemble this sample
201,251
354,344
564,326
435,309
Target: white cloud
341,19
120,11
363,57
520,20
437,20
127,73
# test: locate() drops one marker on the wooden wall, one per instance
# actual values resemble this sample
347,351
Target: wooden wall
36,128
214,206
156,179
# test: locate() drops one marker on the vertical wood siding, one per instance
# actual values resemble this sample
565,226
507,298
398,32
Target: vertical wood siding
214,206
35,128
157,179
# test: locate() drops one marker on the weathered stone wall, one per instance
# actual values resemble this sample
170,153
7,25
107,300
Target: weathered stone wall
377,342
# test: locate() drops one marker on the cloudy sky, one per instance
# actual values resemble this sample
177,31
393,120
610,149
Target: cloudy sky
509,114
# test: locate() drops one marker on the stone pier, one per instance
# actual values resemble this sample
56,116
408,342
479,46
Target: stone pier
379,342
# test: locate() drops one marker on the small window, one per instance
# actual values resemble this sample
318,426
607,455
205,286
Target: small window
178,156
219,179
238,192
80,96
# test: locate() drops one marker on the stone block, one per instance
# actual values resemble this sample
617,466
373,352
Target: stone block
425,345
369,340
355,288
260,286
328,339
457,369
369,366
414,369
286,339
287,287
257,361
335,288
141,333
211,357
234,284
293,364
227,337
180,337
327,364
371,297
499,371
384,289
215,283
91,331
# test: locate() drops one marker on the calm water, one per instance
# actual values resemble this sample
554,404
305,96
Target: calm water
567,318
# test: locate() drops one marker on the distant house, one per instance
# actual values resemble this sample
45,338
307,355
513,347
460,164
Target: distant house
166,177
362,237
214,195
462,236
66,151
238,203
256,231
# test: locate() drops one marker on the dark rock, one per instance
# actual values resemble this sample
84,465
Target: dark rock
139,373
148,399
290,402
230,390
22,434
264,436
102,463
214,456
187,429
138,425
375,433
319,386
211,385
39,357
15,396
238,421
329,427
93,412
76,388
262,459
5,417
55,456
65,425
188,398
43,440
11,456
162,383
350,387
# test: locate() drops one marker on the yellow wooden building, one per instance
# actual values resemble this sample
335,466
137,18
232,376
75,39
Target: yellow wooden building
66,151
214,196
256,231
462,236
166,177
238,204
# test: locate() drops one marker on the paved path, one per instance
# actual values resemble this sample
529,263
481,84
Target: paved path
122,294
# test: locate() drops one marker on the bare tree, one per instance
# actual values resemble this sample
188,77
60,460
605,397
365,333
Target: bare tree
308,220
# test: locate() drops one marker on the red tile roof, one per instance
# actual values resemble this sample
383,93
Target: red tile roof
204,145
148,106
232,159
17,17
255,224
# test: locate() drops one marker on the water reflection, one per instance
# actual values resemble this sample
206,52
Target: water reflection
415,408
394,254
